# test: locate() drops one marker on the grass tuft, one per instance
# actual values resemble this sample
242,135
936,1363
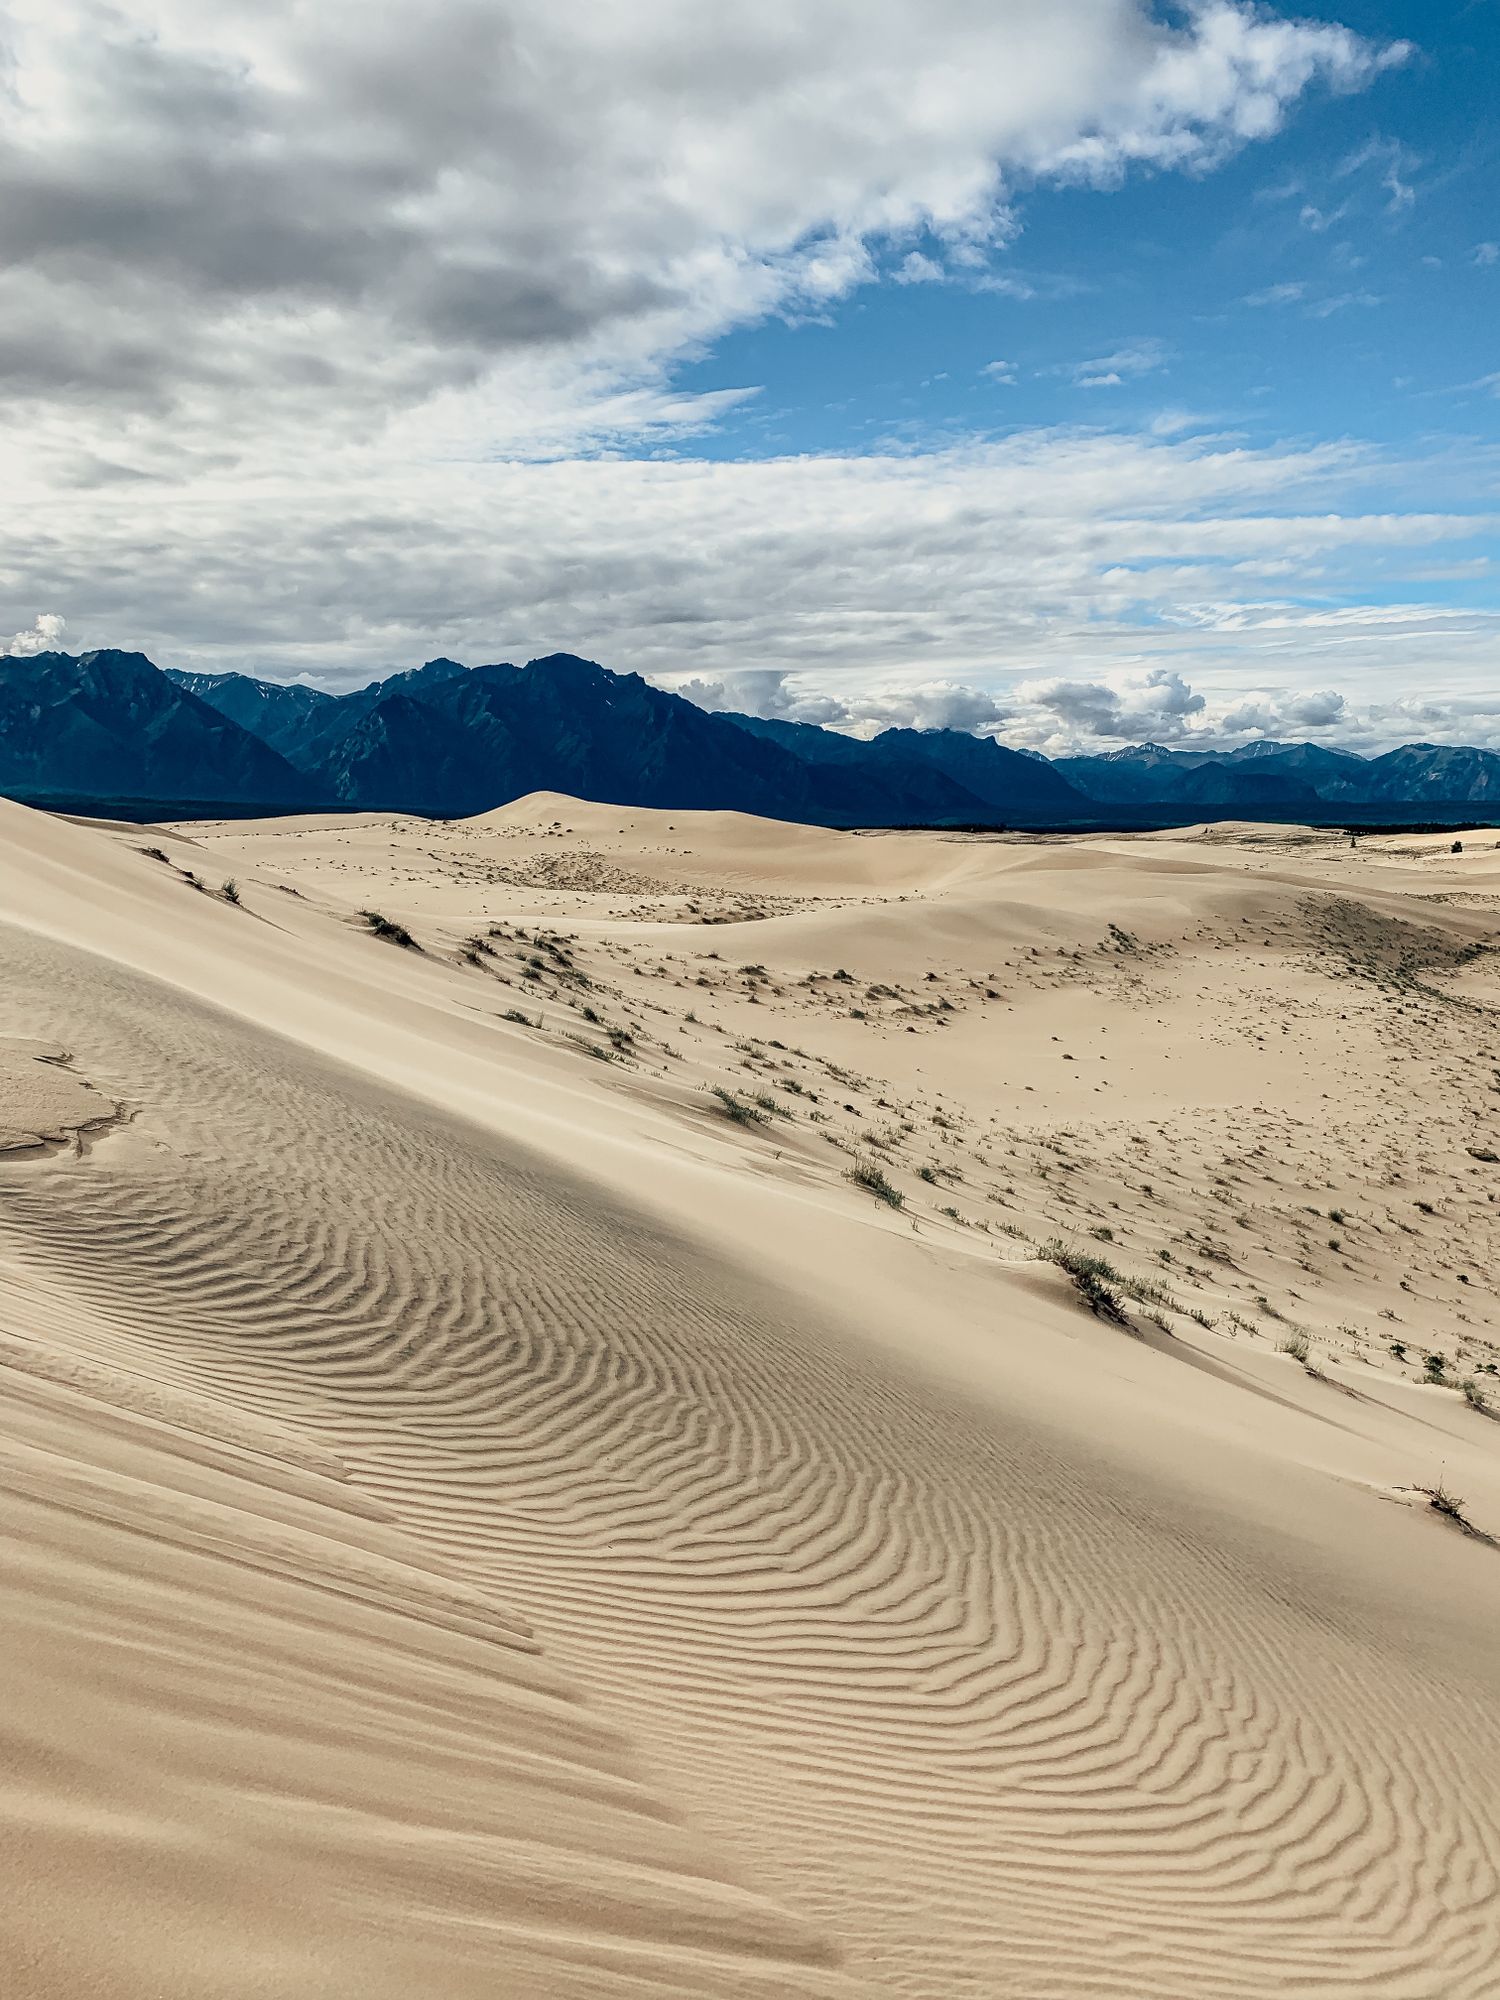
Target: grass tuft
736,1109
871,1176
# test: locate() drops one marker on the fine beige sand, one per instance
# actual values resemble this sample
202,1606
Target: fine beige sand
557,1461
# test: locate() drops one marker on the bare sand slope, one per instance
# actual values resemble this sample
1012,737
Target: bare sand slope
486,1520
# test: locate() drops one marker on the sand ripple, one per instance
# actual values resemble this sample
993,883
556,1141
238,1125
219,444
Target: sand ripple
980,1716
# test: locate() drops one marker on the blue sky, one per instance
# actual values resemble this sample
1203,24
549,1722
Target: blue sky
1074,369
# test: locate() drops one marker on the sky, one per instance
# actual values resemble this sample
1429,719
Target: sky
1077,371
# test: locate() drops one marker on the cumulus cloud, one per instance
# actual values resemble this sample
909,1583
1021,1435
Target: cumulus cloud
1062,716
44,637
929,705
933,704
1157,703
1276,712
770,693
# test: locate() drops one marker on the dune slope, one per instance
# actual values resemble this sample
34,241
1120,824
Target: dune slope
487,1522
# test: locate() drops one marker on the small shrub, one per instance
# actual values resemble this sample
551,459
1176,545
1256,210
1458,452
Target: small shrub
1435,1364
1474,1396
1094,1278
230,891
1444,1502
153,854
523,1020
1295,1344
390,930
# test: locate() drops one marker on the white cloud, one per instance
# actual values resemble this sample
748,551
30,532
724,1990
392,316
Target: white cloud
762,691
915,269
1002,372
1486,254
936,704
1276,712
1108,371
1286,294
44,637
1340,302
1395,161
1156,703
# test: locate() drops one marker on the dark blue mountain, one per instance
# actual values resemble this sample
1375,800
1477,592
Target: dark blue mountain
446,740
108,725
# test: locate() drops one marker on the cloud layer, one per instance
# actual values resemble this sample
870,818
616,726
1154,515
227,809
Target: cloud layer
322,212
326,334
898,587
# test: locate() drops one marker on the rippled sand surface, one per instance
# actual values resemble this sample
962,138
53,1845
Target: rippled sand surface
481,1521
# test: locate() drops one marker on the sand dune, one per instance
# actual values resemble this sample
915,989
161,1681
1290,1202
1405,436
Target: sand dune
487,1520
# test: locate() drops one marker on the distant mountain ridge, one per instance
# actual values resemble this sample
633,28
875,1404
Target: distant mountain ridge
448,740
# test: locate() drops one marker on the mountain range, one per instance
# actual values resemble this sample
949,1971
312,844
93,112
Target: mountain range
111,728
